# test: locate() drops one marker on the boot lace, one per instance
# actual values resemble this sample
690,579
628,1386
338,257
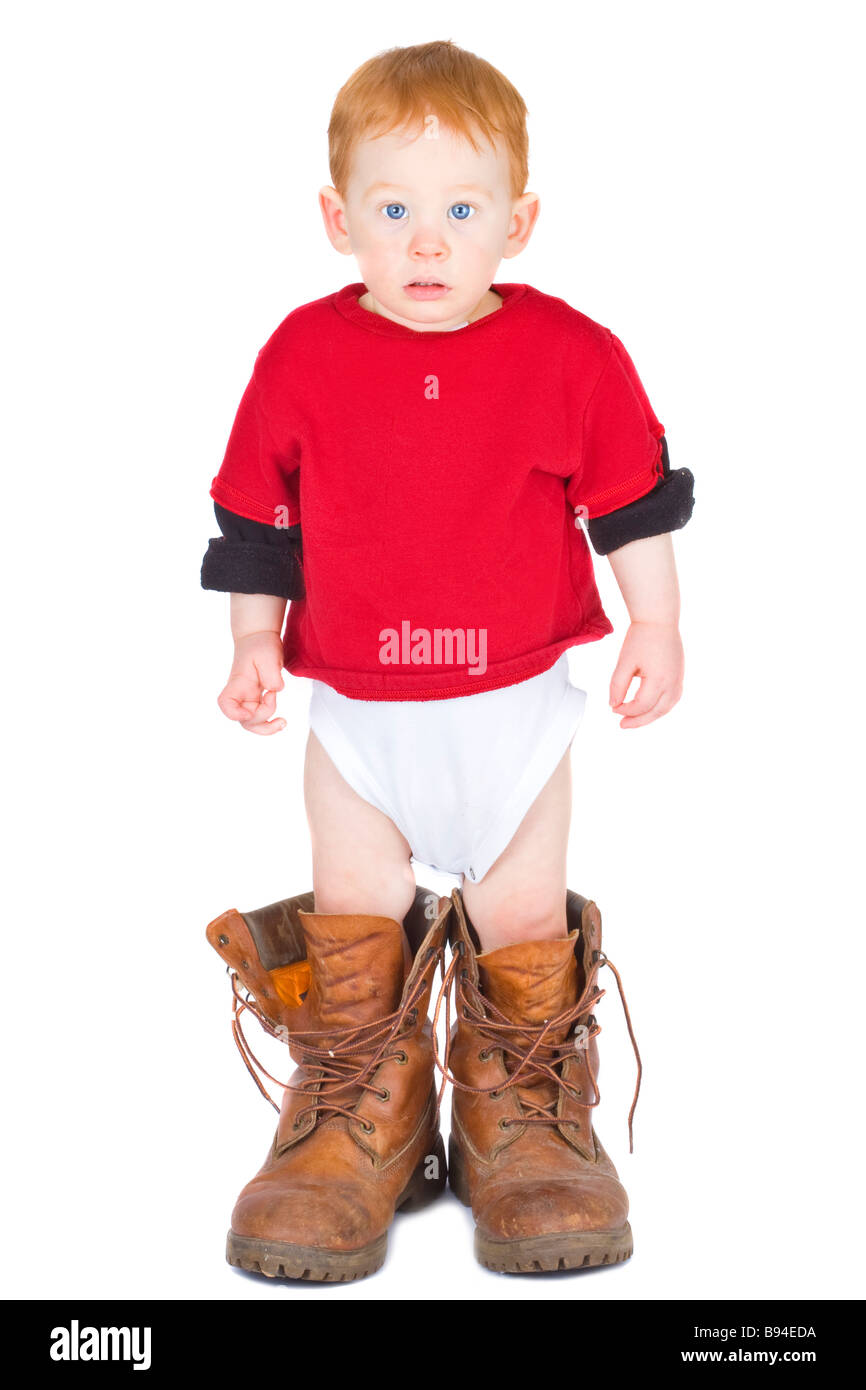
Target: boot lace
343,1058
536,1053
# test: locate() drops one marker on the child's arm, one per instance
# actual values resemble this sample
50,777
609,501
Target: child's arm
632,500
260,567
257,669
646,574
258,558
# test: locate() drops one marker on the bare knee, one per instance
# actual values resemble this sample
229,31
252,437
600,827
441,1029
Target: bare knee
530,913
360,858
380,890
522,897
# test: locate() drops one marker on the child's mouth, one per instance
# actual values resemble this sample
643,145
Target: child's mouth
426,289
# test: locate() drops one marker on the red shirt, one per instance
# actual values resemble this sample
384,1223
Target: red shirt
435,476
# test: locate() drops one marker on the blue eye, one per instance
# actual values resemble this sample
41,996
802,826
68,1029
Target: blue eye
397,212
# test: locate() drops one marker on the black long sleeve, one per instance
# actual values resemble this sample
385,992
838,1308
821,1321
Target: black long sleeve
252,558
666,508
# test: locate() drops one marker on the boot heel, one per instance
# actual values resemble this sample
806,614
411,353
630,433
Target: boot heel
428,1180
457,1180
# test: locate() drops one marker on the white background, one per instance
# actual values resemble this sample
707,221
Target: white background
699,168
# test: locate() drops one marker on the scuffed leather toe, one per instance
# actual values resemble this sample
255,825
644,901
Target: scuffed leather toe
552,1208
325,1214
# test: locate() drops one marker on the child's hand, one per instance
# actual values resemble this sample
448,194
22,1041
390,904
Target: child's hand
256,675
654,652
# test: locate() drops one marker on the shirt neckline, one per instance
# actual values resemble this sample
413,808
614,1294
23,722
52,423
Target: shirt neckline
346,302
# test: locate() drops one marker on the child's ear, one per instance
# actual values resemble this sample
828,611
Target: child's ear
334,217
524,215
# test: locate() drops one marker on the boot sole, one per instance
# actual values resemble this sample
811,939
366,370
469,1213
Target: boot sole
283,1260
542,1254
539,1254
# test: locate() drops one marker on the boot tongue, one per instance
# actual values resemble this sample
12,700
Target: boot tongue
530,982
357,971
357,968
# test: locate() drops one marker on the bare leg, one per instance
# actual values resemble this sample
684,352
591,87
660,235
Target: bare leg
522,895
360,858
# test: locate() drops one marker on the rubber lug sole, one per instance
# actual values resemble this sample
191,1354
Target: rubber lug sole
282,1260
279,1260
569,1250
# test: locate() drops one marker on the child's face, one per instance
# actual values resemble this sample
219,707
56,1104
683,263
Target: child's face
421,208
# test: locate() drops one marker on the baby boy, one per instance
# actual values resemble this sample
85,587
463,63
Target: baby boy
421,465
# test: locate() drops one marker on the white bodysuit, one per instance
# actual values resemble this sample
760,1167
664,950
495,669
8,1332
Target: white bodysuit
455,776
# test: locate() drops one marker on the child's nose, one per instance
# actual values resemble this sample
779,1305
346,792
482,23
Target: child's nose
426,242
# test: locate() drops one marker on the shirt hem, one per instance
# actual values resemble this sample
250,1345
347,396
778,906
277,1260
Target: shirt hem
390,688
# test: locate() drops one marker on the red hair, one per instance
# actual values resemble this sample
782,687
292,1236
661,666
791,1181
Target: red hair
401,87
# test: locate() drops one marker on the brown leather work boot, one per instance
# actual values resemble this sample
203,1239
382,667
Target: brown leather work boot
358,1135
523,1152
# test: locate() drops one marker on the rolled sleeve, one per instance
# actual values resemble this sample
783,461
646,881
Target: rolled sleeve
666,507
251,557
623,487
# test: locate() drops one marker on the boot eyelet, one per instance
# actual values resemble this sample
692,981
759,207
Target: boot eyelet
503,1123
367,1128
494,1095
401,1058
484,1055
384,1094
